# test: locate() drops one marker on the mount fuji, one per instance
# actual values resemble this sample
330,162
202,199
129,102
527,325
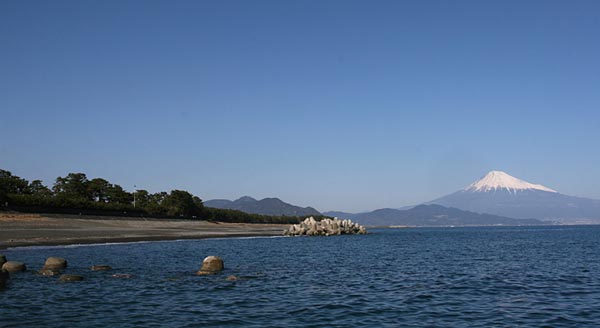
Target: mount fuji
501,194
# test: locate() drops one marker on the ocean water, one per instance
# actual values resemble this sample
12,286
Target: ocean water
435,277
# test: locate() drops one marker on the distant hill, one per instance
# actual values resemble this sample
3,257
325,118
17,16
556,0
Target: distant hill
501,194
345,215
267,206
436,215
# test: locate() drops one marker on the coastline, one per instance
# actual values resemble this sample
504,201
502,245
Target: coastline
22,230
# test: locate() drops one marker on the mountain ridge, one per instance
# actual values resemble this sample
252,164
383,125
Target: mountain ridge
434,215
265,206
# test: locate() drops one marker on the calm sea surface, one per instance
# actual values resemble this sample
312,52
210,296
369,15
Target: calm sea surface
445,277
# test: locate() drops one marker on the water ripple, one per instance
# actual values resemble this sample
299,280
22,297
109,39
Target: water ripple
460,277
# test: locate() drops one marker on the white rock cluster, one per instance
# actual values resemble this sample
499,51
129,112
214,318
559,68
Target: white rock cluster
325,227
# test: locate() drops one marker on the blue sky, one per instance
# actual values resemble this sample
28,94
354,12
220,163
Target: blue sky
340,105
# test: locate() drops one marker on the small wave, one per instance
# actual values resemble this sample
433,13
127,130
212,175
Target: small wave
244,237
81,245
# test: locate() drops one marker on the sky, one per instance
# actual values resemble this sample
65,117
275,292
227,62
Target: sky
339,105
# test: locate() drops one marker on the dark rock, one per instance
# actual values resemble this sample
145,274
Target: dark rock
2,260
4,276
211,265
70,278
101,268
14,266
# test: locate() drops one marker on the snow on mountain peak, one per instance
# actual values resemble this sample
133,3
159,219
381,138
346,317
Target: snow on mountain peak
500,180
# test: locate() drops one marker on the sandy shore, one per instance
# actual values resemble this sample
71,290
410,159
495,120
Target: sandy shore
33,229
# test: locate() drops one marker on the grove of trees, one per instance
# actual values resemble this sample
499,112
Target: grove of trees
76,194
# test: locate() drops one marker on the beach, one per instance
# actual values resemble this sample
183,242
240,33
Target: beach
18,229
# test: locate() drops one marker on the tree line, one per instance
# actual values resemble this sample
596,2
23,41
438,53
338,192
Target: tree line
76,194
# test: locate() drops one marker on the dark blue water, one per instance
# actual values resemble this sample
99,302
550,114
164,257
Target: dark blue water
452,277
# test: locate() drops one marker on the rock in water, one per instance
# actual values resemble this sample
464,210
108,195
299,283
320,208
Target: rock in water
211,265
14,266
4,276
2,260
55,263
70,277
101,268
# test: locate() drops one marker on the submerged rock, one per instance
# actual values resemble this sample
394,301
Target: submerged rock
70,278
48,272
14,266
232,278
55,263
101,268
211,265
325,227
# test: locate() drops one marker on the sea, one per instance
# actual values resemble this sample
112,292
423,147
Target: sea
413,277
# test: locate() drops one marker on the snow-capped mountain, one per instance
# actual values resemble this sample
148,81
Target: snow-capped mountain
502,194
501,180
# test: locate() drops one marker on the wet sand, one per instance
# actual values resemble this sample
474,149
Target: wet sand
39,229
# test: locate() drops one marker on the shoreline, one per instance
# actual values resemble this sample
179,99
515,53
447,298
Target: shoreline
24,230
117,241
125,240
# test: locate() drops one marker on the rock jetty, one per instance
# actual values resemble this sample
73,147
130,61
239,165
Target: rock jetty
325,227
